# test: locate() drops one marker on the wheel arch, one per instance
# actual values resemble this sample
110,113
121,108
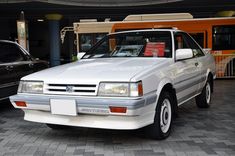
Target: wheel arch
166,85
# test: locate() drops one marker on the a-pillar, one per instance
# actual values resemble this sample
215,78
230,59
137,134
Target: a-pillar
54,32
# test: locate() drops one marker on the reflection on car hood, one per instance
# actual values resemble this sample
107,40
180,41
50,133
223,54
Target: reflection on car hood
96,70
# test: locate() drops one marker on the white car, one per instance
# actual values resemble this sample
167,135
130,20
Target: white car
128,80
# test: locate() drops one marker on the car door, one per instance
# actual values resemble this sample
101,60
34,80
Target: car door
17,62
24,65
29,64
8,83
187,72
4,80
200,56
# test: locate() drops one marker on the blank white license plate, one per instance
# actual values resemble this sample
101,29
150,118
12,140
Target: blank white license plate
63,107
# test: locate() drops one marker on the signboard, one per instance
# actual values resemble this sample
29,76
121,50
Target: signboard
22,34
155,49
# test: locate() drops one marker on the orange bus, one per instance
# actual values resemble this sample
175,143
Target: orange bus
90,31
216,34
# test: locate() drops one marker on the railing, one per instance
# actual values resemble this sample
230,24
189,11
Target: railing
225,65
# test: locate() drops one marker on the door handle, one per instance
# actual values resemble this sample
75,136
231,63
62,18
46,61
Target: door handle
196,64
31,65
9,68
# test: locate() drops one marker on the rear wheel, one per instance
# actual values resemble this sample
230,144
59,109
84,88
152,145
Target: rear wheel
161,127
203,100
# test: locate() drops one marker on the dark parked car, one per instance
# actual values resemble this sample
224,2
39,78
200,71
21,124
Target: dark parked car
15,62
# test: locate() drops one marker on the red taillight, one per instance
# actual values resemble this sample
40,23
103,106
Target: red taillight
118,109
20,103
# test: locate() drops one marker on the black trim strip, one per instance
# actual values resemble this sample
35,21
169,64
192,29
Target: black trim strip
9,84
189,85
186,97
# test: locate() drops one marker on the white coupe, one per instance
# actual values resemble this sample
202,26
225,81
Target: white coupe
128,80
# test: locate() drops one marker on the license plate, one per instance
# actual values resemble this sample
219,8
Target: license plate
63,107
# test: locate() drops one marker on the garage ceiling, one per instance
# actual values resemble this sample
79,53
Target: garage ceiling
97,3
100,9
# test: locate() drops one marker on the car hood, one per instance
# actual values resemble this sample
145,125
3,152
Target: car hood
96,70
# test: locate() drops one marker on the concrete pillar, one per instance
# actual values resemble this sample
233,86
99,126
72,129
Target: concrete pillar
54,32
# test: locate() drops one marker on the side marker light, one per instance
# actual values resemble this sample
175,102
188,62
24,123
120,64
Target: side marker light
20,103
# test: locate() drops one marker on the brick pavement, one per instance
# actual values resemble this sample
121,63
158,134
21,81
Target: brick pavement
196,132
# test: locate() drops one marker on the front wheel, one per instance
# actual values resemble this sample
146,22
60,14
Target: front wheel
203,100
161,127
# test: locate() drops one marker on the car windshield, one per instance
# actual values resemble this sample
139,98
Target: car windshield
133,44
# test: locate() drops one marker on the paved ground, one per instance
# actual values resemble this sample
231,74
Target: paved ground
195,132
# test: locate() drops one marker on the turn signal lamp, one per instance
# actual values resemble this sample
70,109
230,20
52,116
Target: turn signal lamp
140,89
20,103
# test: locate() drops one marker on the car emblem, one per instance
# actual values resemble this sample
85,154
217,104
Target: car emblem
69,89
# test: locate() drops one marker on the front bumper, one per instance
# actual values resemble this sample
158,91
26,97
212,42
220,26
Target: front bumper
92,112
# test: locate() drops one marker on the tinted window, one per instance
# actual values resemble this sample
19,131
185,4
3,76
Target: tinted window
10,53
184,41
199,38
223,37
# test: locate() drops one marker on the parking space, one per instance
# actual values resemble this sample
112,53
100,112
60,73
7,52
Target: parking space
195,132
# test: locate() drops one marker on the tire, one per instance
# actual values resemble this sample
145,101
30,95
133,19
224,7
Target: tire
57,127
161,127
203,100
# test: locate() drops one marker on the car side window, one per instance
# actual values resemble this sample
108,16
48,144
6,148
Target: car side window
10,52
183,40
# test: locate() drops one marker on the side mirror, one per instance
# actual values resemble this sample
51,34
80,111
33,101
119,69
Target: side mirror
182,54
80,55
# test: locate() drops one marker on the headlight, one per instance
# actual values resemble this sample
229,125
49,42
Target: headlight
120,89
35,87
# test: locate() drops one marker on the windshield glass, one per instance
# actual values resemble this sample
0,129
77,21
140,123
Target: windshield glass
133,44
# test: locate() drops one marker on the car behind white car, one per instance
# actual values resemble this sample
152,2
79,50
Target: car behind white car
128,80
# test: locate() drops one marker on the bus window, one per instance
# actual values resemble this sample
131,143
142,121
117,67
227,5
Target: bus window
199,38
88,40
223,37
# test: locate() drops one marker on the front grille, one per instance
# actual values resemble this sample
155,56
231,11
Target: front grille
71,89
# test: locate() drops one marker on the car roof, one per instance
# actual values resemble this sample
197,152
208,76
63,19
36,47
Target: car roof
7,41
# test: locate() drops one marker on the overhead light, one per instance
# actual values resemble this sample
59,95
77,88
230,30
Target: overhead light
40,20
88,20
